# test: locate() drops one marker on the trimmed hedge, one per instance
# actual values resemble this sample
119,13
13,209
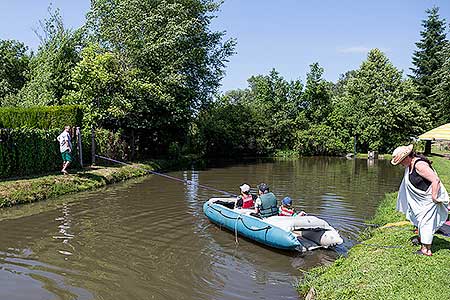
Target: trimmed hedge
42,117
25,151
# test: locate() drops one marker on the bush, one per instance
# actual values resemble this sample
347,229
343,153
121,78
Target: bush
41,117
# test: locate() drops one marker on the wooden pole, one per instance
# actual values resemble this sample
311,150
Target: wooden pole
132,145
80,146
93,144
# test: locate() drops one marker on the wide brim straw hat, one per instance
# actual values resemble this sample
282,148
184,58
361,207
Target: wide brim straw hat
400,153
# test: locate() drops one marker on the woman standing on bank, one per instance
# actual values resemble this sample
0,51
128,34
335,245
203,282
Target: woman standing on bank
421,197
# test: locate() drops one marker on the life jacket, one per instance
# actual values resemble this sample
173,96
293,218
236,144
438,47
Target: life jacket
284,211
247,201
268,206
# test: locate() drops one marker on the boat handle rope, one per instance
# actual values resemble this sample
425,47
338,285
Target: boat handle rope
239,218
167,176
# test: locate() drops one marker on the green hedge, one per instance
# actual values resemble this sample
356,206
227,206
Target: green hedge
42,117
26,151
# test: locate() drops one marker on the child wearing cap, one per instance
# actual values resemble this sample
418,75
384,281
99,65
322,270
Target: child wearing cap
245,199
287,210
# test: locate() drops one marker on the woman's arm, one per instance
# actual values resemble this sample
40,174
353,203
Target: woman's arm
424,170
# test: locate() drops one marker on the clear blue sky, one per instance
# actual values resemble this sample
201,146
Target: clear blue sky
287,35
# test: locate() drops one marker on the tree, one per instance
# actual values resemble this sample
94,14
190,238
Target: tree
100,86
317,95
441,92
51,68
14,62
226,127
427,61
377,107
178,60
275,105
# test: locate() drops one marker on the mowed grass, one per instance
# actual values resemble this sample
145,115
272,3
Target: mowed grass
20,191
384,265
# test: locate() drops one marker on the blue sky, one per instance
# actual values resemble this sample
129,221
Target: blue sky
287,35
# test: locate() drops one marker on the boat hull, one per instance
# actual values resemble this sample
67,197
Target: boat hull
251,227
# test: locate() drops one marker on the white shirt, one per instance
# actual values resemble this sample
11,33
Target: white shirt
64,141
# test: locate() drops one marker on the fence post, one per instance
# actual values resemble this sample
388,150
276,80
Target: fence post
80,146
93,144
132,145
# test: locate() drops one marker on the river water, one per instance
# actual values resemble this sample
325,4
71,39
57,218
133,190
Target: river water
148,238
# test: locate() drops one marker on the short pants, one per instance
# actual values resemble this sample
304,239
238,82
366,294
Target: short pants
66,156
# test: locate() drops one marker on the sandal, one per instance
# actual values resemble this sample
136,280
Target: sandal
420,252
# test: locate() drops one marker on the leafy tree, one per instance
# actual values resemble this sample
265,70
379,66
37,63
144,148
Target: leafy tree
317,95
427,61
51,67
376,106
178,61
275,105
226,127
100,85
14,62
319,139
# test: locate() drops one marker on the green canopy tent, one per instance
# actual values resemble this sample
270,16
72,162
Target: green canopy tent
441,133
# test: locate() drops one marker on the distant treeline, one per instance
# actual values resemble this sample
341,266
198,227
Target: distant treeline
154,68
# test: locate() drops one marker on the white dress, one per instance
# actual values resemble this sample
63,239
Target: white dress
420,209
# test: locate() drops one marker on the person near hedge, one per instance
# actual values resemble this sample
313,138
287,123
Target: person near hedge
65,146
421,197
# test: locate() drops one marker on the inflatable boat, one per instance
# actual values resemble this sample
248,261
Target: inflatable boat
301,233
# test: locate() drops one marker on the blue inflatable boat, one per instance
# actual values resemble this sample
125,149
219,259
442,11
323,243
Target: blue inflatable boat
299,233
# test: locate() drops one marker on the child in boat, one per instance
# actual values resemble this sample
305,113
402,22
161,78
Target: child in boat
245,199
287,210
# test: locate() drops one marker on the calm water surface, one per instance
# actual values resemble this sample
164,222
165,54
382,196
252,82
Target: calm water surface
149,239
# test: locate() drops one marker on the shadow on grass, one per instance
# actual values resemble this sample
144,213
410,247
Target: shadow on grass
440,243
91,176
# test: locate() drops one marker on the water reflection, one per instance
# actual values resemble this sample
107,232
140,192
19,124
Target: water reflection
63,229
149,239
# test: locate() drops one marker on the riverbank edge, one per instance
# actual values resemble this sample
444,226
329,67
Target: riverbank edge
15,191
384,264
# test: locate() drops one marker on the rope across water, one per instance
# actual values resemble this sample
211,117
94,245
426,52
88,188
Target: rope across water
167,176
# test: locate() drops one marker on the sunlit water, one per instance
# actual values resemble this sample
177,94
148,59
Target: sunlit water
149,238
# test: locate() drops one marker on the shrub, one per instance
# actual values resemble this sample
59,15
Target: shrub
41,117
28,151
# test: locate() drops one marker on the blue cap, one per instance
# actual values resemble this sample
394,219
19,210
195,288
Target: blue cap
287,201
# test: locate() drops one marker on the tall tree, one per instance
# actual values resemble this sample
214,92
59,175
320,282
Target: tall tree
14,62
51,67
317,95
178,59
427,61
276,105
377,106
441,92
101,86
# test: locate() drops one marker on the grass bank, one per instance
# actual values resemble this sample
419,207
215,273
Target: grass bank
383,266
37,188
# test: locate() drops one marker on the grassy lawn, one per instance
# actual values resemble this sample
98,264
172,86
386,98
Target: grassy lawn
383,266
19,191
